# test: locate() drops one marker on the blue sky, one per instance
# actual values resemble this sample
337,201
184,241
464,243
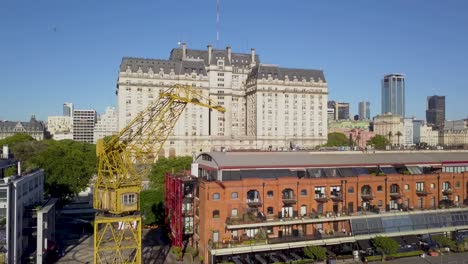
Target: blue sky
58,51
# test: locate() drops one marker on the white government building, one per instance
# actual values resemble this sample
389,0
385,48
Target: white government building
106,124
267,107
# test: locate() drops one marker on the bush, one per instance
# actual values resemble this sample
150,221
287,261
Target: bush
444,241
385,245
177,251
397,255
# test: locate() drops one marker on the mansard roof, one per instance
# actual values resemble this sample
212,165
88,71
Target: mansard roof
179,67
237,59
32,125
265,70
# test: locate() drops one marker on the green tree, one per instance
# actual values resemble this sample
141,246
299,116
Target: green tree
164,165
378,141
315,252
336,139
26,151
390,135
152,207
444,241
69,166
385,245
399,134
15,139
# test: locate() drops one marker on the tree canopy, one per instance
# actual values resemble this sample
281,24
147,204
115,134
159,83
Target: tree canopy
385,245
337,139
315,252
15,139
152,200
378,141
68,165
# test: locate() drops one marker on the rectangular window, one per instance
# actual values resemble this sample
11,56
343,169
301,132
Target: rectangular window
3,196
420,186
129,198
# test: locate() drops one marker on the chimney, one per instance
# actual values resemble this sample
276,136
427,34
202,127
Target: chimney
184,51
228,49
209,53
252,55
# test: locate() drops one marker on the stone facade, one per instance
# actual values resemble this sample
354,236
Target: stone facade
60,127
384,124
254,95
34,128
106,125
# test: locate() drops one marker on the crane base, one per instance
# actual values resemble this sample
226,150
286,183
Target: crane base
117,239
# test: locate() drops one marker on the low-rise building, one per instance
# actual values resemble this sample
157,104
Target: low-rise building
389,125
240,204
454,138
428,135
34,128
346,125
19,196
60,127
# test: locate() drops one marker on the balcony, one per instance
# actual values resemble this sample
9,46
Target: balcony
338,197
367,196
254,202
395,195
247,218
447,191
289,199
187,212
422,192
321,198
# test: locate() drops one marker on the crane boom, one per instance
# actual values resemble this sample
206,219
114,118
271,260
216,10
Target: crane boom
123,161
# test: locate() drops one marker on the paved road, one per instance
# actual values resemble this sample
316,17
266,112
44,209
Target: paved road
155,249
451,258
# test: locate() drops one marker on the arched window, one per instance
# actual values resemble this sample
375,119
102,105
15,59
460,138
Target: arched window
216,214
303,192
215,196
379,188
270,193
234,195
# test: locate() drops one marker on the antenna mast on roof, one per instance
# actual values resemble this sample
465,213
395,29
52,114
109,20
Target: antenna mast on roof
217,24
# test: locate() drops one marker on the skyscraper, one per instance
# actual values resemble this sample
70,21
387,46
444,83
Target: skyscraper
83,125
435,113
364,110
68,109
393,94
341,110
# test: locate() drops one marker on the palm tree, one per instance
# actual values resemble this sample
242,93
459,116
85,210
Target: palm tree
399,134
390,135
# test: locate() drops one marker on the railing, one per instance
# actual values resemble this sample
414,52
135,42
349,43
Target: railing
321,197
447,191
337,197
422,192
289,199
254,202
367,196
395,195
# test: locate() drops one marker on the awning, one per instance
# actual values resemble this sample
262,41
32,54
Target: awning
411,240
364,244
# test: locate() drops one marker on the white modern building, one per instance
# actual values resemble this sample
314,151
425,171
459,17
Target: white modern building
408,132
83,125
60,127
106,125
18,197
267,106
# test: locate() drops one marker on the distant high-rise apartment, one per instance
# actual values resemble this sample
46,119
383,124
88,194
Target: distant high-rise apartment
393,94
341,110
364,110
68,109
107,124
83,125
435,113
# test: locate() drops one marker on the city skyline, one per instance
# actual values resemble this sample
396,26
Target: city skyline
52,44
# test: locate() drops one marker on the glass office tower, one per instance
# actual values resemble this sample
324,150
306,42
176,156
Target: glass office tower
393,94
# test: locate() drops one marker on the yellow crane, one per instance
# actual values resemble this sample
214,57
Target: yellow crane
123,161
